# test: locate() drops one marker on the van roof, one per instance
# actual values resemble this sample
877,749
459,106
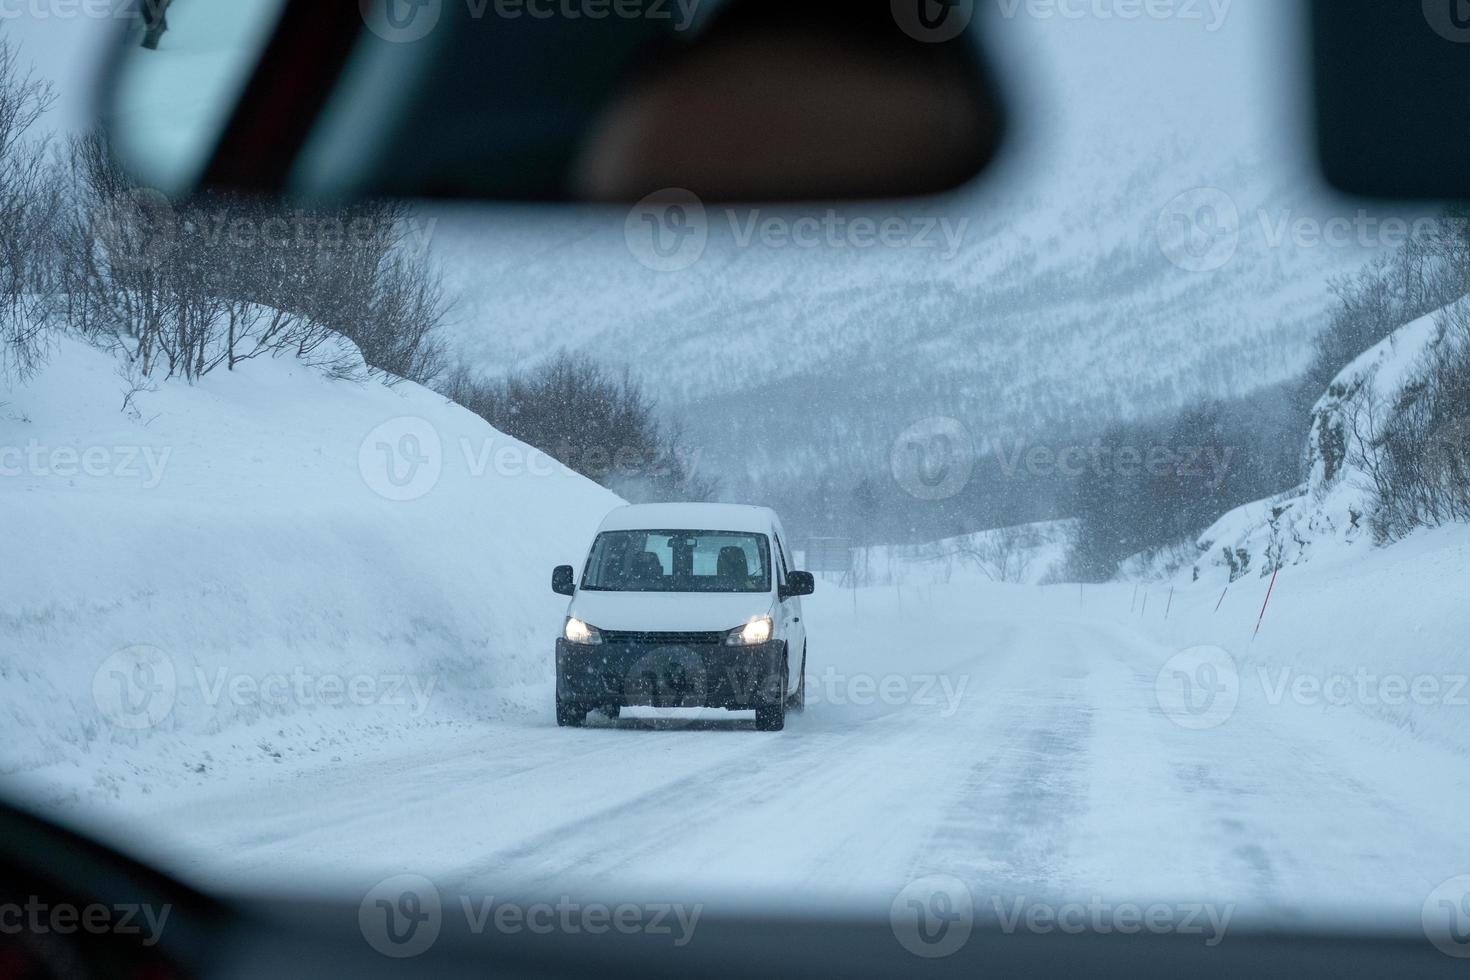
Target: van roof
691,517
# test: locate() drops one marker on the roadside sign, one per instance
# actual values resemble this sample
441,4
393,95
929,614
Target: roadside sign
830,555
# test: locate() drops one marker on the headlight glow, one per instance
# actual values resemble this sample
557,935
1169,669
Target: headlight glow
580,633
753,633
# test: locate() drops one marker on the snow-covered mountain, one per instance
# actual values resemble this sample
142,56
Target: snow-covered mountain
1154,235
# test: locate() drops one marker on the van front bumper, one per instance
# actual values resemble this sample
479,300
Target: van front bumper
651,672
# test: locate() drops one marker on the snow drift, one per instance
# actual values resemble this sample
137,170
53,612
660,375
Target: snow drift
267,564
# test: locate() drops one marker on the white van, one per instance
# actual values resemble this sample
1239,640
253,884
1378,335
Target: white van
684,606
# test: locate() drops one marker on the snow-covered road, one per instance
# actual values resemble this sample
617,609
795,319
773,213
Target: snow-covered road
1013,737
1023,750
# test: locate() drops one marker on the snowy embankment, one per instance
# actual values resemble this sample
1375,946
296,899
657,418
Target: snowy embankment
1332,513
1350,624
265,568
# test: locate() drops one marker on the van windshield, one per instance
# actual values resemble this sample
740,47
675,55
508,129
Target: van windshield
679,561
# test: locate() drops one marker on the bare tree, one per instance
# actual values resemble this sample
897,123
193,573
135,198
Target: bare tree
29,197
220,280
593,419
1003,555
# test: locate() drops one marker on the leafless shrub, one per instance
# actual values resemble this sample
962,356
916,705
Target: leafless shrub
1003,555
1415,452
593,419
186,289
29,195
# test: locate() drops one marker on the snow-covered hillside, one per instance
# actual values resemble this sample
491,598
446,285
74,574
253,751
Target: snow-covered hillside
1333,512
266,566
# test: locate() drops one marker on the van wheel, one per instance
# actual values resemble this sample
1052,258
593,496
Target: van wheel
797,701
773,718
570,715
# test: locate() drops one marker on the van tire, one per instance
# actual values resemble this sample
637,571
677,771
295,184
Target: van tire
773,717
797,701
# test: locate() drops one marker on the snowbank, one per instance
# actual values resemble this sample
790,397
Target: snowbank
207,580
1331,512
1376,635
1349,627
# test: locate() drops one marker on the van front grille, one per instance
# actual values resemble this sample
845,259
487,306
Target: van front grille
662,639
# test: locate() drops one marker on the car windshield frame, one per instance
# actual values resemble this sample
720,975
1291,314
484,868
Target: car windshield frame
681,580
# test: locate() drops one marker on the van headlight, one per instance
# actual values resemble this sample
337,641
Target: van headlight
753,633
580,633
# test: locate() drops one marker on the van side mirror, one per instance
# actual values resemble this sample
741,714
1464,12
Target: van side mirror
564,580
798,584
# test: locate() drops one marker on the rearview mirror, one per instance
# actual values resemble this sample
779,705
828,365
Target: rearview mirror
738,100
1393,96
799,584
564,580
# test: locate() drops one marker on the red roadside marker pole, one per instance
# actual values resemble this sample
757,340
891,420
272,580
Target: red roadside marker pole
1170,606
1222,599
1271,588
